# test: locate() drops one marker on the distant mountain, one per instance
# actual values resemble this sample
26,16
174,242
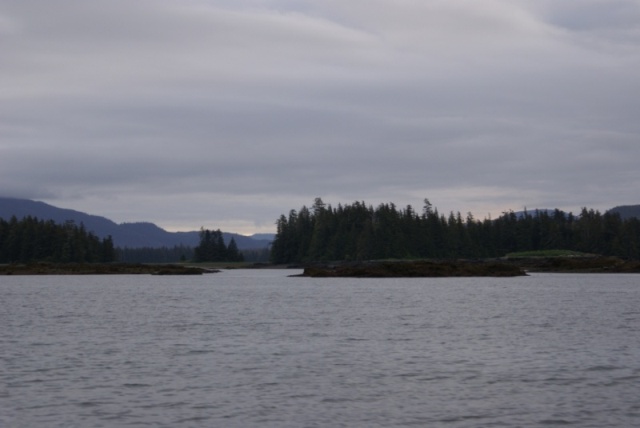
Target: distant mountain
264,236
132,235
626,211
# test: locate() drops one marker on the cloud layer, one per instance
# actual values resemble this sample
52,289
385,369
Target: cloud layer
228,113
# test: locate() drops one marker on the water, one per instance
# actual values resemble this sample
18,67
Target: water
255,348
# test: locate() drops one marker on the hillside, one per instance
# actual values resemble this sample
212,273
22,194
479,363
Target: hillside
132,235
626,211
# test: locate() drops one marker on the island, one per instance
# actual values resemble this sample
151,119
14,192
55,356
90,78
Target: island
414,269
502,267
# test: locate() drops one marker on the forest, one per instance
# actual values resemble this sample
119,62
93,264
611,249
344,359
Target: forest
360,232
354,231
180,253
30,239
177,253
33,240
213,249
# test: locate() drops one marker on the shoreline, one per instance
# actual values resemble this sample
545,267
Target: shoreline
502,267
102,269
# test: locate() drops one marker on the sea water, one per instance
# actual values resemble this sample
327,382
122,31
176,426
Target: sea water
256,348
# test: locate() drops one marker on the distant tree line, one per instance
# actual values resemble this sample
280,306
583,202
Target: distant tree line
30,239
34,240
212,248
361,232
177,253
258,255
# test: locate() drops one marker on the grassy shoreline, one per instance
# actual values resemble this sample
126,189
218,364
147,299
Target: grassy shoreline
573,264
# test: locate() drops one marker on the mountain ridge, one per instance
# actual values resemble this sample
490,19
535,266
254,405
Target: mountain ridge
128,234
626,211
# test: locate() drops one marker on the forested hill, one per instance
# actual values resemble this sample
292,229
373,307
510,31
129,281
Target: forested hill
132,235
626,211
361,232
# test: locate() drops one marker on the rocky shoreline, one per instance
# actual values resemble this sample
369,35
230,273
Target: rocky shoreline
414,269
472,268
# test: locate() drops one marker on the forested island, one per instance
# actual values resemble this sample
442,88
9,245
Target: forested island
354,240
359,232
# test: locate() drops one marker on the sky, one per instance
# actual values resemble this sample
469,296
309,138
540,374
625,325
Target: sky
226,114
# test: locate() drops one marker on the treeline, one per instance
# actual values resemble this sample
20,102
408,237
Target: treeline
177,253
30,239
212,248
34,240
360,232
259,255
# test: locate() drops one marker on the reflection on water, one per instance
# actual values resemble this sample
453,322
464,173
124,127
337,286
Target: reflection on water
256,348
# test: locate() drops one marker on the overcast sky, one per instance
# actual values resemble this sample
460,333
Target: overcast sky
226,114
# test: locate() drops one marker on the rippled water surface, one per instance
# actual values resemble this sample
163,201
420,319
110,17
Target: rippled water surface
256,348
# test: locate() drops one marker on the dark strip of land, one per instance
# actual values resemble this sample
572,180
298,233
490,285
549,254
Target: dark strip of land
505,267
414,269
592,264
100,269
473,268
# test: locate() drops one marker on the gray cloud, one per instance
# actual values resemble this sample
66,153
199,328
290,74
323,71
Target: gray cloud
227,114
